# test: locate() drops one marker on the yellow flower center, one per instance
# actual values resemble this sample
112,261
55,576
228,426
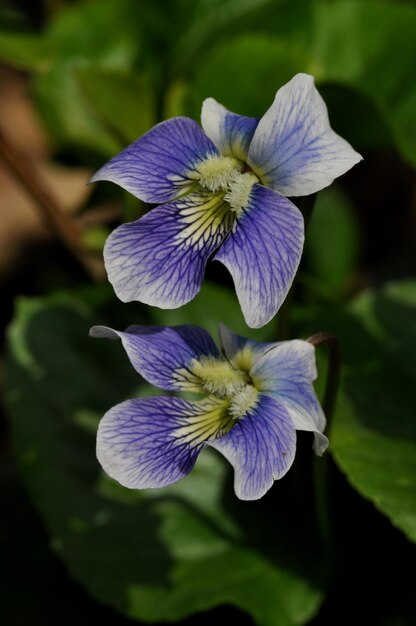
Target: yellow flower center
220,379
219,173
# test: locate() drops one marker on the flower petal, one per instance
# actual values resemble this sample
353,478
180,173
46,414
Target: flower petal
160,259
260,446
152,442
286,372
163,355
158,167
263,253
231,133
294,150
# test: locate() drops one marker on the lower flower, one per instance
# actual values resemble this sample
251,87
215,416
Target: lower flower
255,398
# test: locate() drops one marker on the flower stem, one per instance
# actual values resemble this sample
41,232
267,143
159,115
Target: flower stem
334,370
320,466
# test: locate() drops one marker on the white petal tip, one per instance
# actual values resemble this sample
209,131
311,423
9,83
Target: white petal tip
103,332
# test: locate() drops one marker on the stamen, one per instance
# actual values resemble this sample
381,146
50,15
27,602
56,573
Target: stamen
217,172
218,376
243,401
239,189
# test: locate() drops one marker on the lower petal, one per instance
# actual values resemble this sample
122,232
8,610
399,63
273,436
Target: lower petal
263,253
261,447
160,259
152,442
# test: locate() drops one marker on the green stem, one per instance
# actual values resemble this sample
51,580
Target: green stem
320,466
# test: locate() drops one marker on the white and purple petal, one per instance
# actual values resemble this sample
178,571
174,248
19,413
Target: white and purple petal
153,442
286,372
163,355
263,253
160,165
160,259
294,150
260,446
231,133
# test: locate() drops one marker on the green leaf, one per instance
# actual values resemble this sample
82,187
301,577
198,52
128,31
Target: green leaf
345,49
107,31
373,438
370,95
66,115
153,555
212,305
252,92
89,39
24,50
332,242
123,101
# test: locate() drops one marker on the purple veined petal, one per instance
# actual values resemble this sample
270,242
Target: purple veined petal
158,167
260,446
163,355
263,253
242,352
286,372
152,442
231,133
160,259
294,150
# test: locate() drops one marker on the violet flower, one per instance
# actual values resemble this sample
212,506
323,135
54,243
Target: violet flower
254,400
223,190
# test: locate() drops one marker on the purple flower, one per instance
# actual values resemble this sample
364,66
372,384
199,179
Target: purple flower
223,191
256,397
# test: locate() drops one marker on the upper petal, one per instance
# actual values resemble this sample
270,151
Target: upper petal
163,355
152,442
160,259
260,446
294,150
263,253
159,166
287,372
242,352
231,133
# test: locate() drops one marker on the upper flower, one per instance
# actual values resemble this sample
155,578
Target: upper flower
224,190
257,396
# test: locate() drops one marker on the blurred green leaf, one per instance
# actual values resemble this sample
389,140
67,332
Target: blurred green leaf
24,50
332,242
99,30
122,101
238,73
371,46
66,115
212,305
88,40
364,72
373,438
153,555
